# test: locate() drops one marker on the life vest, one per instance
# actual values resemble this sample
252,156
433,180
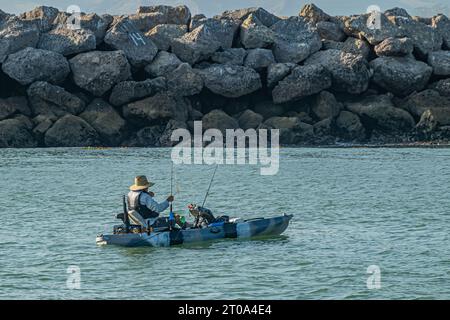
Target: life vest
134,203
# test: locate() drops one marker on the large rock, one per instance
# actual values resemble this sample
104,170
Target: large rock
184,81
268,109
295,40
250,119
106,121
171,15
230,56
350,127
303,81
217,119
360,26
222,30
292,130
162,106
267,18
418,103
67,41
440,61
71,131
442,24
196,45
12,106
379,112
400,75
42,17
16,35
330,31
442,86
314,14
277,72
254,34
350,45
51,100
424,37
259,59
394,47
163,64
92,22
231,81
30,65
138,48
98,71
165,140
163,34
15,134
128,91
325,106
350,73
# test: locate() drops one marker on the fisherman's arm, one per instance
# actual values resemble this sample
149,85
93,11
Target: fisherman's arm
155,206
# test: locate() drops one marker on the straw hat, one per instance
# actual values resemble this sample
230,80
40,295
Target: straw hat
141,183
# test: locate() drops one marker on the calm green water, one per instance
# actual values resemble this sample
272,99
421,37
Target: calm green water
353,208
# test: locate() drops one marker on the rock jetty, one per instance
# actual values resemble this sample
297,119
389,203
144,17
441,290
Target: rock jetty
130,80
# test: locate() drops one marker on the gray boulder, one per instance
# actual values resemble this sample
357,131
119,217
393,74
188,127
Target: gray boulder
163,64
254,34
196,45
67,41
350,45
231,81
442,24
171,15
277,72
222,30
325,106
12,106
230,56
295,40
292,130
440,61
98,71
442,86
15,134
380,112
106,121
314,14
424,37
50,100
43,17
330,31
303,81
159,107
145,137
217,119
267,18
259,59
250,120
30,65
360,26
16,35
92,22
127,91
350,73
138,48
163,34
71,131
165,138
350,127
400,75
394,47
184,81
419,102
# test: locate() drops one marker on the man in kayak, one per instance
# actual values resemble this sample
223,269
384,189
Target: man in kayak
142,208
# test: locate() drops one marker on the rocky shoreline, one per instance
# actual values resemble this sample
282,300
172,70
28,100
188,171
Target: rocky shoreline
130,80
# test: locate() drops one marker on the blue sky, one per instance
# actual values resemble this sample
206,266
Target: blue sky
212,7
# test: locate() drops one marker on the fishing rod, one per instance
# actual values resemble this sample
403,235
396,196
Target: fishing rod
210,184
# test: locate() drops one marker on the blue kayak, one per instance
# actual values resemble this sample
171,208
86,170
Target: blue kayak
239,229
